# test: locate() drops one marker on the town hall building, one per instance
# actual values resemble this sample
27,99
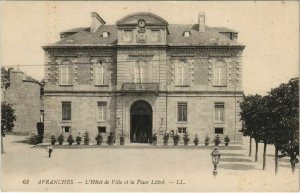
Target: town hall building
143,76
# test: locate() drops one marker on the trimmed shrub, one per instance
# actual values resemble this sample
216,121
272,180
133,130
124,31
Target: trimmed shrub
196,140
61,139
86,138
99,139
70,139
53,140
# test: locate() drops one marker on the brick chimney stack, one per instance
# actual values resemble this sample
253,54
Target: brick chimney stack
201,21
97,21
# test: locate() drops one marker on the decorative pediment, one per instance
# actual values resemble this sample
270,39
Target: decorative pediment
149,18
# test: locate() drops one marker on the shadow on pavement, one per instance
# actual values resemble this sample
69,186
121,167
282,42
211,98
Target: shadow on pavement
235,160
236,167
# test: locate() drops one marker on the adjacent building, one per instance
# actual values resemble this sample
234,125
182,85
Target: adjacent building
142,76
24,93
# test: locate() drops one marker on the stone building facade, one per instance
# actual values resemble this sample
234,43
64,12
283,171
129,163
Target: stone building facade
143,76
23,92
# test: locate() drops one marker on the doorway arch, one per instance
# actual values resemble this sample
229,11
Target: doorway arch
140,122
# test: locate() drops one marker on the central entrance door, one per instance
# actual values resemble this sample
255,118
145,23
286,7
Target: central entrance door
140,122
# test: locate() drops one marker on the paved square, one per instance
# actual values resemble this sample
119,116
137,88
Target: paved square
150,169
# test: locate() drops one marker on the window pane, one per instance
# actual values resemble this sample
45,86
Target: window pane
182,112
219,130
100,75
66,110
219,112
220,73
101,129
66,74
101,111
182,73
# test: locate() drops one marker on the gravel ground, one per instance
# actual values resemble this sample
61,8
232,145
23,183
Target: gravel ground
27,168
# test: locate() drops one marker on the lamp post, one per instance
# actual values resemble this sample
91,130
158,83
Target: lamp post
215,155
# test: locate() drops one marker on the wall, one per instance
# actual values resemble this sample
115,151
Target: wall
25,98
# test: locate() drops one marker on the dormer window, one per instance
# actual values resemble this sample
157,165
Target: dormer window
187,34
105,34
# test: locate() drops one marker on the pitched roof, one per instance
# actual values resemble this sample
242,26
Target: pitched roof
225,29
211,36
75,30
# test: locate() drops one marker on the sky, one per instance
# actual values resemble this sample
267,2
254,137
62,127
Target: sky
268,29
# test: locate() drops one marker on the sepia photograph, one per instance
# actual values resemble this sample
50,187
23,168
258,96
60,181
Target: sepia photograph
149,96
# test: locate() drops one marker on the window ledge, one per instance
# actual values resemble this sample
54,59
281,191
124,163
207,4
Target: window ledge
181,122
182,85
66,121
219,122
101,85
66,85
101,121
219,85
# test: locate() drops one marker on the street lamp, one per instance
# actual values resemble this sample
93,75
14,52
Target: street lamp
215,155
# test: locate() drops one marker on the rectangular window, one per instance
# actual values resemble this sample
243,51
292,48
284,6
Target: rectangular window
66,75
182,74
181,129
101,129
219,112
66,129
155,35
66,110
182,112
101,111
128,35
100,75
219,130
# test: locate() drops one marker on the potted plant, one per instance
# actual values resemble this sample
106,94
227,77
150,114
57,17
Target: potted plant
122,139
110,139
196,140
60,139
53,140
166,138
186,139
78,139
86,138
99,139
207,140
176,138
226,140
154,139
70,139
217,140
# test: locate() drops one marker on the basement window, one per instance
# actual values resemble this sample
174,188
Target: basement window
187,34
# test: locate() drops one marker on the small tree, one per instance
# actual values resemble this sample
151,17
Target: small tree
110,139
196,140
7,120
217,140
60,139
86,138
186,138
176,138
154,139
99,139
226,140
78,139
53,140
207,140
70,139
166,138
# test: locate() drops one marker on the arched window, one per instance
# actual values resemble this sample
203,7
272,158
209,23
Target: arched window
141,72
220,73
182,73
66,73
100,75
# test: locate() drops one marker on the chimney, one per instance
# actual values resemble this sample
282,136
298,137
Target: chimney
97,21
201,21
